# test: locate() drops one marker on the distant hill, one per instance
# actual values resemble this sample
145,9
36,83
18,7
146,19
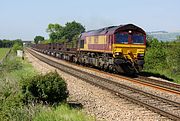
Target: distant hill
158,32
164,35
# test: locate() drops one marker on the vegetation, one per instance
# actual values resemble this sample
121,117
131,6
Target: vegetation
67,33
62,113
62,34
17,46
6,44
11,106
178,38
3,52
9,43
38,39
49,88
163,58
17,81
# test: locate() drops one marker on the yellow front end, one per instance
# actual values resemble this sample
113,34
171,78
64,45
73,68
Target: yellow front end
128,51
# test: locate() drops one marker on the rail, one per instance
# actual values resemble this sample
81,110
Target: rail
165,107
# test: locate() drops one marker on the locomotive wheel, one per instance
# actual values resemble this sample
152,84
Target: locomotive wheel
128,69
110,68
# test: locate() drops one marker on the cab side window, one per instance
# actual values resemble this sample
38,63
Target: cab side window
81,43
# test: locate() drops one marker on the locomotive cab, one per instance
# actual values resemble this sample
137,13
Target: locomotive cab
129,45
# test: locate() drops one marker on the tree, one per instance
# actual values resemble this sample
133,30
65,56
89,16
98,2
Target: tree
156,55
58,33
19,41
149,40
7,43
38,39
72,29
1,43
173,57
17,46
55,32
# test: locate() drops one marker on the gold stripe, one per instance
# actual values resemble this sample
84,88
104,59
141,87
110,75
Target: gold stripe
96,51
128,45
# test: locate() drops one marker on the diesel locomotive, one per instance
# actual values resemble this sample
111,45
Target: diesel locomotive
119,49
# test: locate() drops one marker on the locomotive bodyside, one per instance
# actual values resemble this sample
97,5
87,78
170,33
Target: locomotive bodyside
119,47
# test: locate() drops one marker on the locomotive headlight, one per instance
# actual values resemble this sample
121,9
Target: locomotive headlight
116,53
130,31
141,54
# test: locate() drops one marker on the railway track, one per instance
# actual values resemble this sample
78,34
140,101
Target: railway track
155,103
173,87
158,84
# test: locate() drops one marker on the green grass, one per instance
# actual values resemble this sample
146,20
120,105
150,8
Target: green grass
11,72
165,73
3,52
12,108
62,113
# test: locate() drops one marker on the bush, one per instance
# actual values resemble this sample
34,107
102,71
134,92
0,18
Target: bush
49,88
9,99
163,58
156,55
16,47
11,65
173,58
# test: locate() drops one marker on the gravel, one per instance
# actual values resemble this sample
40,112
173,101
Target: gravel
151,90
97,102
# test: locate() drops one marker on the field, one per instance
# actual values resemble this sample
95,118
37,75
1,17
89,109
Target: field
3,52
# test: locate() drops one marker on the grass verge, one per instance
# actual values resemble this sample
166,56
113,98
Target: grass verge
62,113
3,52
164,74
12,107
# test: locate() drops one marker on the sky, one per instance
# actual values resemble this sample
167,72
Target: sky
25,19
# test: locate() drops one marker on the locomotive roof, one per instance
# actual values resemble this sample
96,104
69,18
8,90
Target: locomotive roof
111,30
